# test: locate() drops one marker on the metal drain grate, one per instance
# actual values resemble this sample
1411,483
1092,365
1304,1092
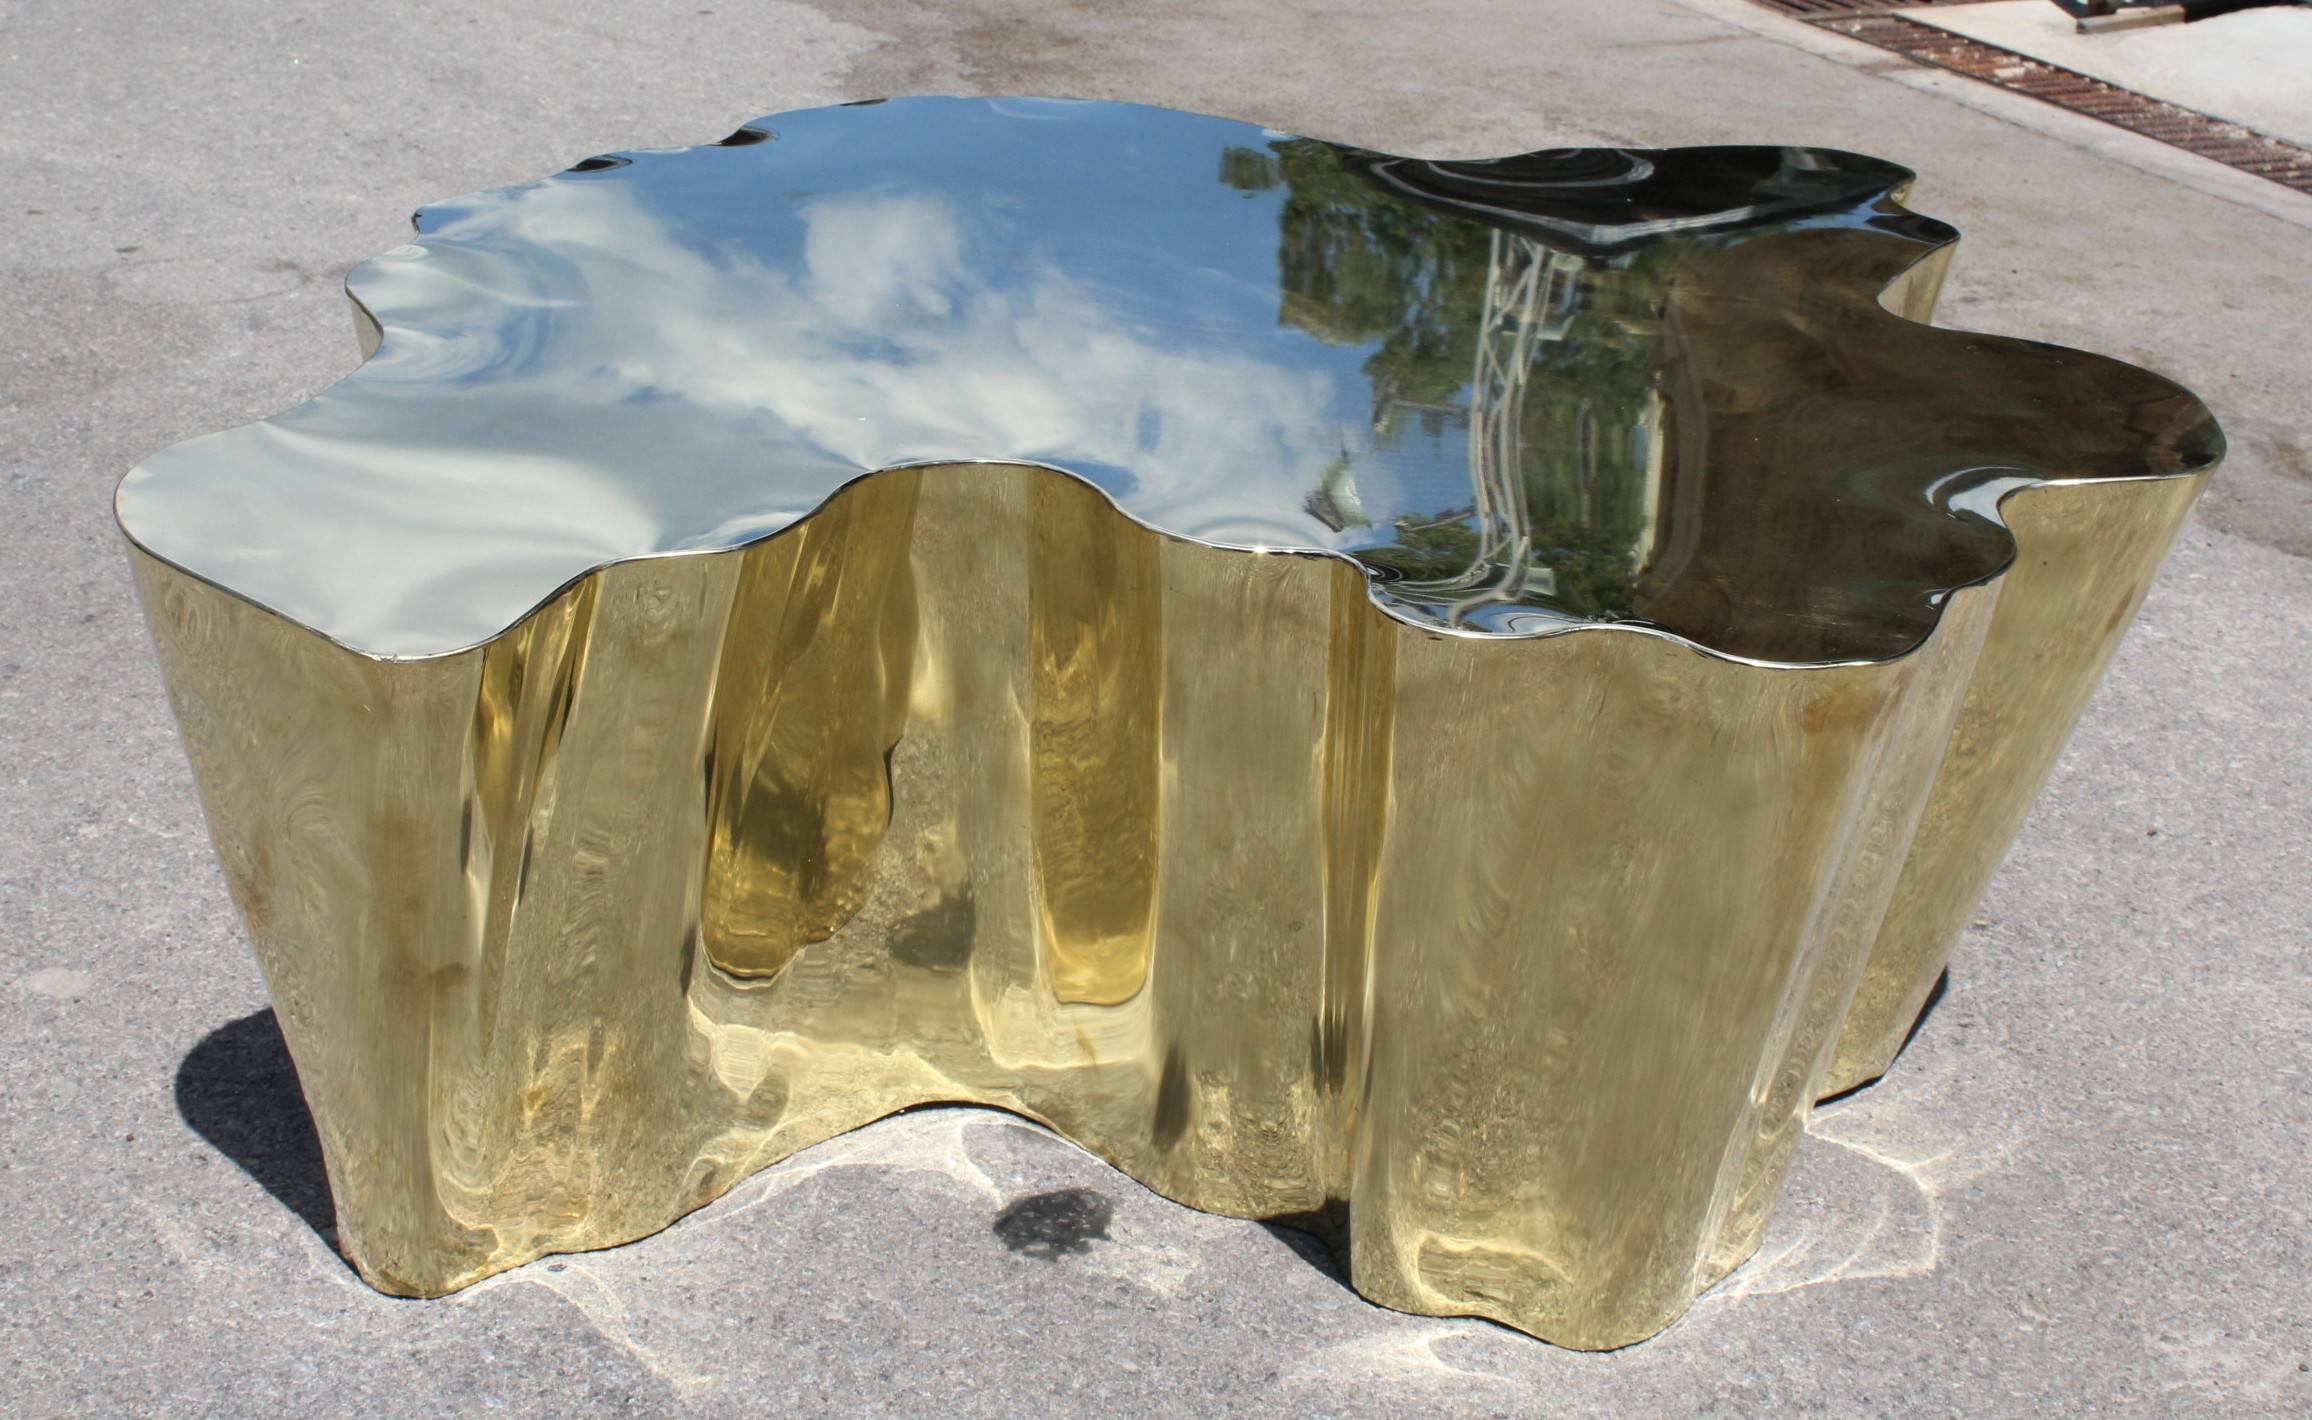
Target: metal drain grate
1820,11
2188,129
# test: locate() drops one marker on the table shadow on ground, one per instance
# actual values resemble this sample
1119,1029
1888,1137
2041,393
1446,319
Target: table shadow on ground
238,1090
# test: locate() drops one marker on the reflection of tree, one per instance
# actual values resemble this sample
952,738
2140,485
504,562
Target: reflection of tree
1430,549
1361,267
1546,359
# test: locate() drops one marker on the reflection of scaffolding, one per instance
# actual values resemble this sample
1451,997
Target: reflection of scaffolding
1528,298
1599,478
1515,278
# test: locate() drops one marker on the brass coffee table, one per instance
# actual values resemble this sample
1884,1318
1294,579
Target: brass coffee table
1446,702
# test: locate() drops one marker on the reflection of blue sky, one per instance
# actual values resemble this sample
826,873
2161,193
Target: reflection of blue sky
695,349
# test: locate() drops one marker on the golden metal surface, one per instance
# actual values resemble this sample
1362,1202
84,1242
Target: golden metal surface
1470,794
2088,552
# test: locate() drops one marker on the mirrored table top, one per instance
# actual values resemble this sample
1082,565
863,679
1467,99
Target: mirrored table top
1649,388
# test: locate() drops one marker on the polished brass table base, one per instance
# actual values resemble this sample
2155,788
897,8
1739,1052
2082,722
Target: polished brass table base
1445,702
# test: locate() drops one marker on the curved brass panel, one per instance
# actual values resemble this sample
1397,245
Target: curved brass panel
2088,555
1443,701
1095,649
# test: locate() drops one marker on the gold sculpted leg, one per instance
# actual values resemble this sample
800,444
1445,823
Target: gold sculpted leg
571,932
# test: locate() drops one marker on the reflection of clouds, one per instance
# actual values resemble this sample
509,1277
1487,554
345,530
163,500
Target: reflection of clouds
875,256
582,371
887,342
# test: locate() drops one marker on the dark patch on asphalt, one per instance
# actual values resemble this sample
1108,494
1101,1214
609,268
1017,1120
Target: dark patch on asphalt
1053,1225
